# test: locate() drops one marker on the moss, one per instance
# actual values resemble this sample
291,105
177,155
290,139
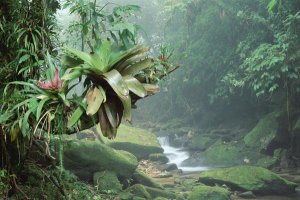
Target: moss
142,178
224,154
139,142
149,192
139,190
154,192
263,133
158,157
107,182
267,162
204,192
248,178
201,142
84,158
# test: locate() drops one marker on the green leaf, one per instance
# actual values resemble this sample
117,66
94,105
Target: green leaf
75,116
72,75
24,58
40,107
5,116
70,62
115,80
137,67
135,86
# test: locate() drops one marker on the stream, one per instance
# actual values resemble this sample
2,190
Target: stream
177,156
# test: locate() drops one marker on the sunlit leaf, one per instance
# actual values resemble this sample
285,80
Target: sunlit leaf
75,116
94,99
135,86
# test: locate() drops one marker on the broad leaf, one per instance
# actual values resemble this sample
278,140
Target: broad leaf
135,86
94,99
137,67
75,116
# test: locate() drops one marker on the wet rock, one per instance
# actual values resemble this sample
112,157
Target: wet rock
168,167
204,192
158,157
248,178
200,142
247,195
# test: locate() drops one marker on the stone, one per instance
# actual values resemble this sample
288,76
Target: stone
140,177
264,133
139,142
107,181
85,157
249,178
149,192
204,192
168,167
247,195
158,157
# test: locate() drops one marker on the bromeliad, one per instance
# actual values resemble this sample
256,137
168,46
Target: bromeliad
54,85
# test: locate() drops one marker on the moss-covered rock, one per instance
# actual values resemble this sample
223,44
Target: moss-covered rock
84,158
223,154
149,192
200,142
158,157
107,182
248,178
264,133
140,177
204,192
139,142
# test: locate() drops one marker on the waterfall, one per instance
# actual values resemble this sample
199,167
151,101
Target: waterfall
177,156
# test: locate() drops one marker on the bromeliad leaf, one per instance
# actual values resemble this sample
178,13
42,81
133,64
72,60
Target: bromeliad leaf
115,80
94,99
137,67
135,86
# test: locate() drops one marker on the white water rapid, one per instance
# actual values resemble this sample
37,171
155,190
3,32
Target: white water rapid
177,156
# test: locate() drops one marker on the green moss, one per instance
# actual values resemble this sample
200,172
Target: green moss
201,142
204,192
84,158
263,133
142,178
248,178
107,182
224,154
139,190
139,142
267,162
149,192
158,157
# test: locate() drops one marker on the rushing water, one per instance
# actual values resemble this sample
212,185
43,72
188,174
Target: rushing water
177,156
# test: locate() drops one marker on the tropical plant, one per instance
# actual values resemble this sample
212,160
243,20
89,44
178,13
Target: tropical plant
114,81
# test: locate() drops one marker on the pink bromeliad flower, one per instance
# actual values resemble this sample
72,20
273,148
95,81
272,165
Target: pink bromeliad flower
54,85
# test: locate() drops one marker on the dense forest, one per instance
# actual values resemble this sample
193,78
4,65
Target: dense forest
213,87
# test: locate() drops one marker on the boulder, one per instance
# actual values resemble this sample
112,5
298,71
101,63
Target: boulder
249,178
158,157
265,135
140,177
107,182
139,142
149,192
204,192
85,157
223,154
200,142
